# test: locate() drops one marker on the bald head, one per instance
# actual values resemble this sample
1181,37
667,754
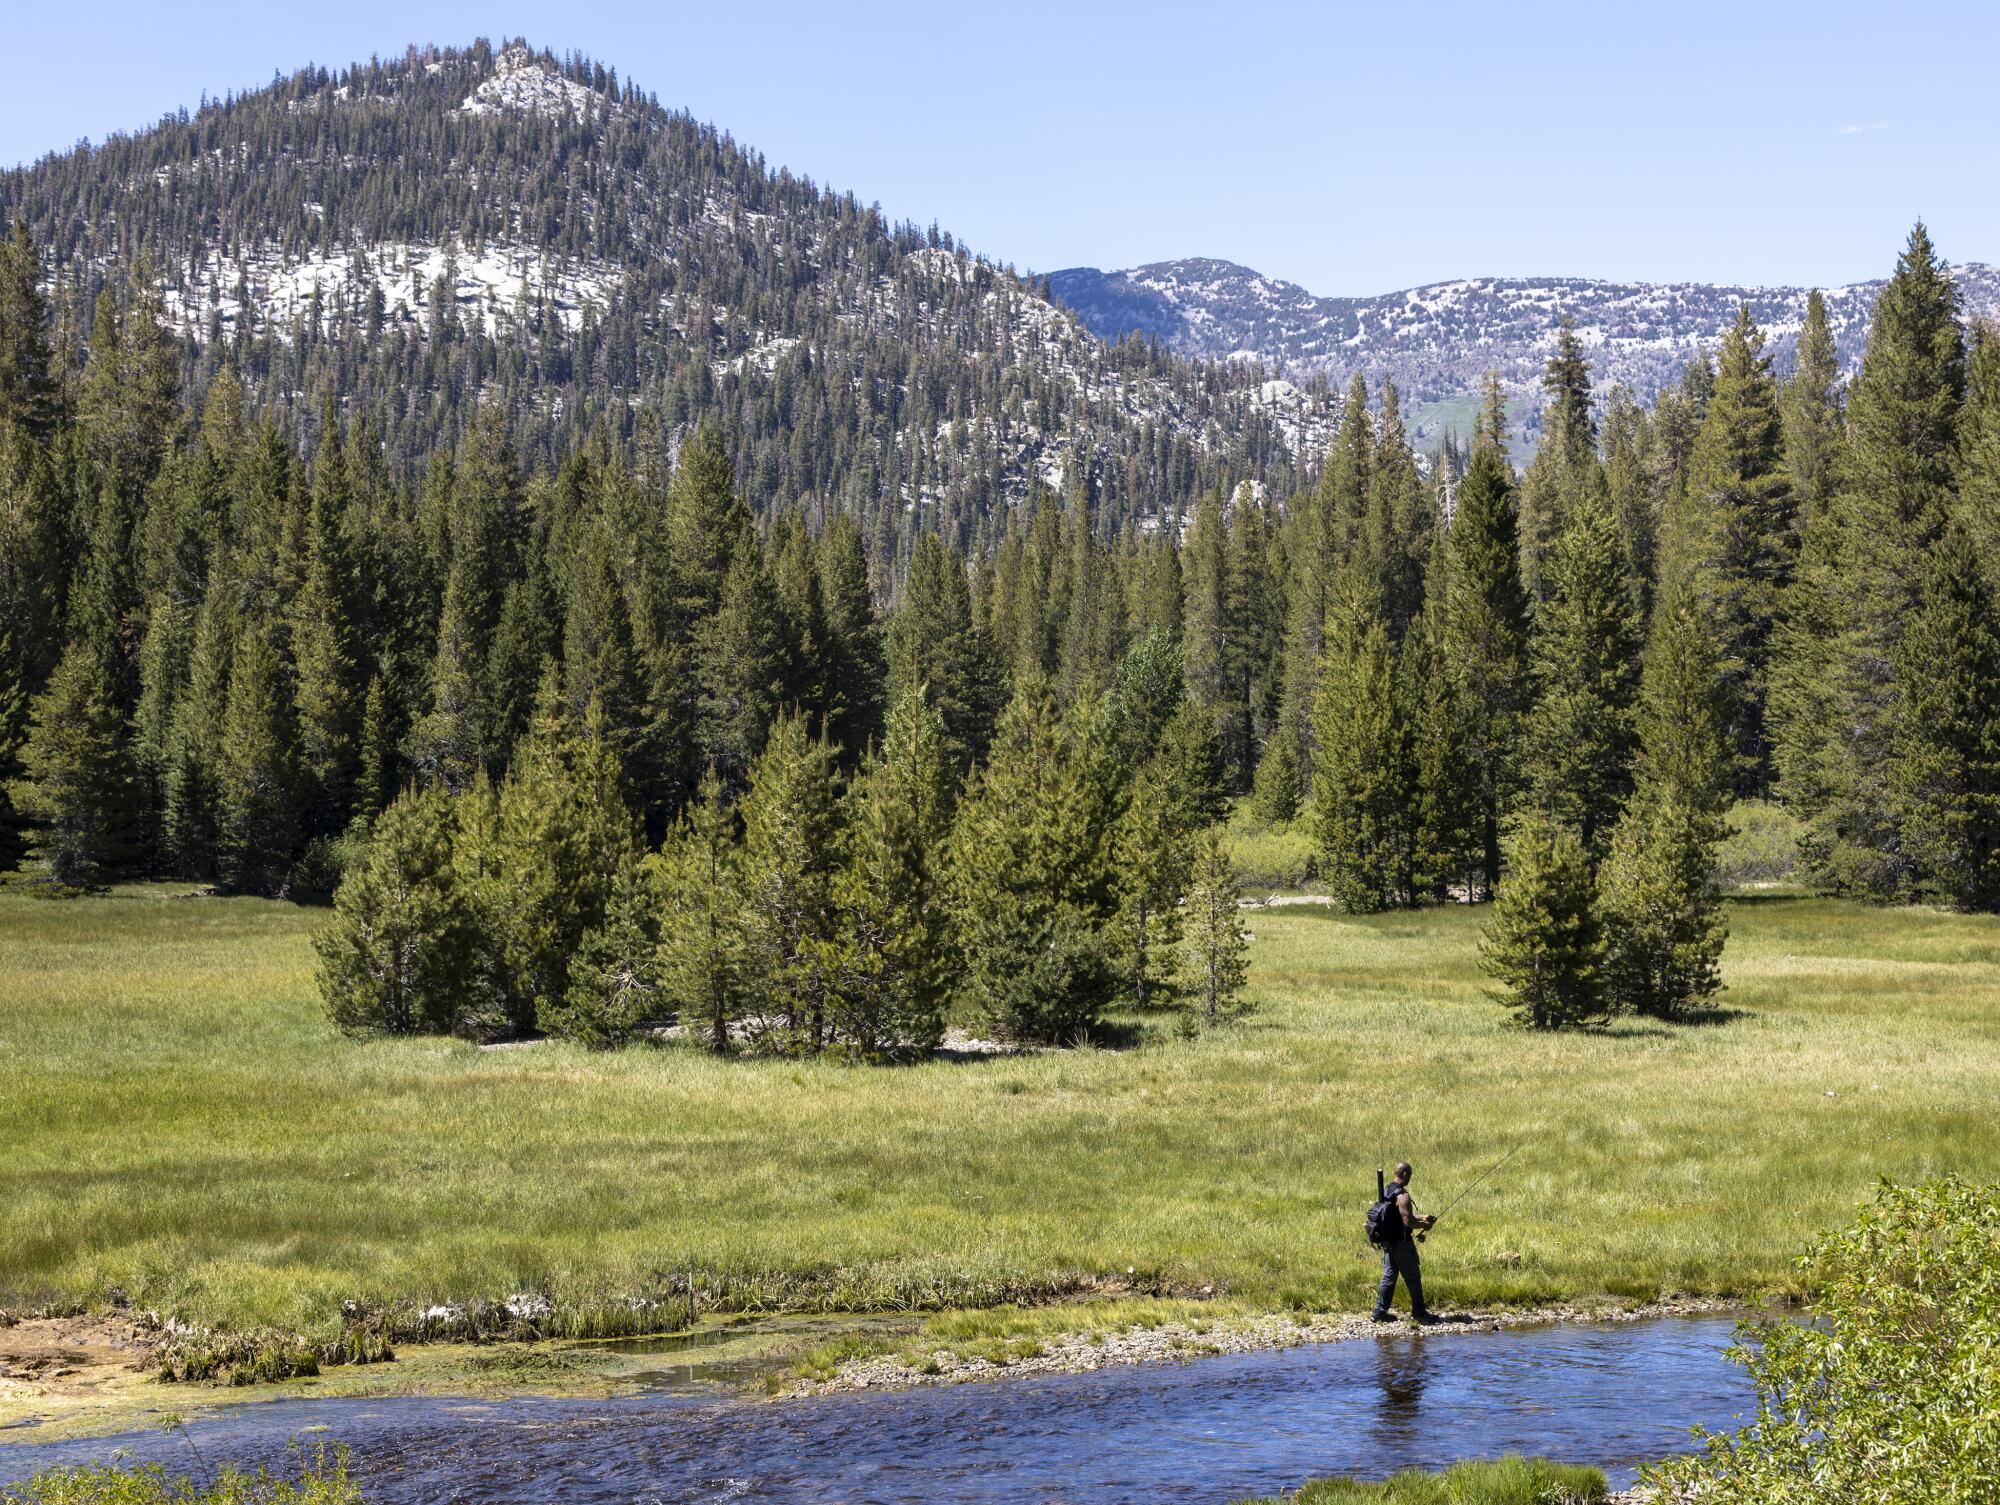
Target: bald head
1403,1171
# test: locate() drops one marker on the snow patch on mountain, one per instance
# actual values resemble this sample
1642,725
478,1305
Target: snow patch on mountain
526,84
485,285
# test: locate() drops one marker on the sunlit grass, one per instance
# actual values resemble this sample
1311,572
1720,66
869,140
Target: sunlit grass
181,1123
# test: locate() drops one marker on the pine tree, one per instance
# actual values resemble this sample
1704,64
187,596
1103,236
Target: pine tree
399,954
1276,793
856,680
1544,945
933,646
791,851
28,395
704,958
454,741
1149,693
258,789
891,955
1033,876
1152,860
1578,741
1659,899
1979,445
1945,768
191,768
1732,536
1361,782
1209,645
79,780
327,690
1215,954
743,667
613,975
1566,463
562,836
1446,837
375,783
129,407
1837,710
1486,638
1189,756
707,525
1661,908
1813,421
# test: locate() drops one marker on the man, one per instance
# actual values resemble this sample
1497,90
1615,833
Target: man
1399,1254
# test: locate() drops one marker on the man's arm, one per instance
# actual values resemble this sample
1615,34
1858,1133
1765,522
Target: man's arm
1409,1212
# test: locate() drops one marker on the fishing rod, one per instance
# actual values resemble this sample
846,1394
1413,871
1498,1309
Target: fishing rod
1476,1181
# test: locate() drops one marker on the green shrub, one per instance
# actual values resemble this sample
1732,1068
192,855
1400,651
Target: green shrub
1890,1394
1503,1481
319,1480
1762,845
1270,858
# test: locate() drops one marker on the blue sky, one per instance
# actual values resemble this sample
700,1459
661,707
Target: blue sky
1351,148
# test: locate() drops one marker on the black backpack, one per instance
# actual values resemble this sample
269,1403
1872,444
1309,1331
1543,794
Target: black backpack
1385,1220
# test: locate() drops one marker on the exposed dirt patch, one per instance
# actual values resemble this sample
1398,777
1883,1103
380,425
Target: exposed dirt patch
68,1363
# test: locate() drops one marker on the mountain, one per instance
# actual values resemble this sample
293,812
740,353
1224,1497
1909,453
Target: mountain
412,238
1435,342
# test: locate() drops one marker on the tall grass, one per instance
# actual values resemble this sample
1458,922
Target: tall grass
1504,1481
184,1127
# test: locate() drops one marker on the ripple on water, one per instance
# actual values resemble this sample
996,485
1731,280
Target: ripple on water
1213,1428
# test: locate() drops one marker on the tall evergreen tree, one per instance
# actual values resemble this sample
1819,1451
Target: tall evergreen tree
1566,463
1578,741
258,789
934,647
857,670
1544,945
743,666
79,780
1361,778
791,852
1659,899
1945,768
1837,710
704,959
1446,833
399,953
28,394
1152,857
1979,445
1486,640
1732,535
891,952
1215,954
1033,873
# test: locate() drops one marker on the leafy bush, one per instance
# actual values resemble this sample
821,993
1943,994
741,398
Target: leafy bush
1504,1481
1270,858
1762,845
1891,1393
320,1480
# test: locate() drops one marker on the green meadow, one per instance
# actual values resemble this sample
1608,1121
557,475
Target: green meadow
184,1126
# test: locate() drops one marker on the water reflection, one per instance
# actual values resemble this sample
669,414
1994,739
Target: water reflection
1401,1367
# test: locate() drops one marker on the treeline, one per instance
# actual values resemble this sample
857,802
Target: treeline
221,652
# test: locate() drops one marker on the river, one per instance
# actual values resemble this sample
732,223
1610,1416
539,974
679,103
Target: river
1207,1430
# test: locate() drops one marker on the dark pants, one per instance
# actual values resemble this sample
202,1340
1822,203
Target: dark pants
1400,1258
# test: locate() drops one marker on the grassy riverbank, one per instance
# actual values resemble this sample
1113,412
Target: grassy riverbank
185,1126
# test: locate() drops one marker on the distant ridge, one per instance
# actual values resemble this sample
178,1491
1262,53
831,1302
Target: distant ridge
1436,341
